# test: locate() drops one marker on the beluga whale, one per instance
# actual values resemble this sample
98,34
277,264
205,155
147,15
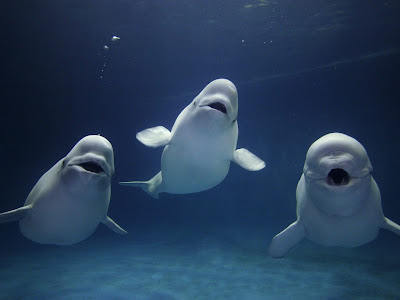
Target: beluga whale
71,199
338,200
202,143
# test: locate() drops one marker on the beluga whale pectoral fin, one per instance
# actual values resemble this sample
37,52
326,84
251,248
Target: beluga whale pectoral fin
113,226
154,137
15,214
286,240
248,160
392,226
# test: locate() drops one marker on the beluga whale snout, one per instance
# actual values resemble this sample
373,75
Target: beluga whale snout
338,200
71,199
202,143
220,95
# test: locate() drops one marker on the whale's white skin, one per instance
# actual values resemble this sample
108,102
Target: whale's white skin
201,144
338,200
70,200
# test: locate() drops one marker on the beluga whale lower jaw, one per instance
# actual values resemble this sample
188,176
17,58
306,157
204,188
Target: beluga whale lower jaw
338,200
71,199
202,143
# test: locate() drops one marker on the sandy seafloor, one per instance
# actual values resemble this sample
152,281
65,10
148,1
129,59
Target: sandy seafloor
185,264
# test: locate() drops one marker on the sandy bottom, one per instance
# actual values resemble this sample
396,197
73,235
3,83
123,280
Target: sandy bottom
230,265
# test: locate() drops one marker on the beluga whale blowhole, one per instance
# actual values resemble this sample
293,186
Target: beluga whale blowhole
71,199
201,145
338,200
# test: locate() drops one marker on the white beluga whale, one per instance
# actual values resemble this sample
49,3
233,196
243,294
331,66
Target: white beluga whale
70,200
200,146
338,200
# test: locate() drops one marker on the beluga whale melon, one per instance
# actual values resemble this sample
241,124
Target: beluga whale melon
201,145
338,200
71,199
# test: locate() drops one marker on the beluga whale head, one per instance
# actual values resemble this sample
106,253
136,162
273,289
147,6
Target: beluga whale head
218,101
89,163
337,173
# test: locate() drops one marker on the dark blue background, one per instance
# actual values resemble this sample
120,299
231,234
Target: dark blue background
302,69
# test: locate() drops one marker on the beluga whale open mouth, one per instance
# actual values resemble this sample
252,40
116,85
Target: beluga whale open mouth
218,106
91,163
92,166
338,177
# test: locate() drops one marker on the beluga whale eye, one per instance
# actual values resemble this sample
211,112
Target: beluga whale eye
338,177
218,106
92,167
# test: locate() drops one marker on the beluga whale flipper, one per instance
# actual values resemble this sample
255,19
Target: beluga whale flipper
338,200
70,200
200,146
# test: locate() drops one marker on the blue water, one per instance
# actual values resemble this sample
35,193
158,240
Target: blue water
301,69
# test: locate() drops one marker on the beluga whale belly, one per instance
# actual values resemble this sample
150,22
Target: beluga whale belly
70,200
338,200
202,143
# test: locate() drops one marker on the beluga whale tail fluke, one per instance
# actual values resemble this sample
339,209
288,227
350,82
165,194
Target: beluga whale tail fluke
150,186
338,200
71,199
201,145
